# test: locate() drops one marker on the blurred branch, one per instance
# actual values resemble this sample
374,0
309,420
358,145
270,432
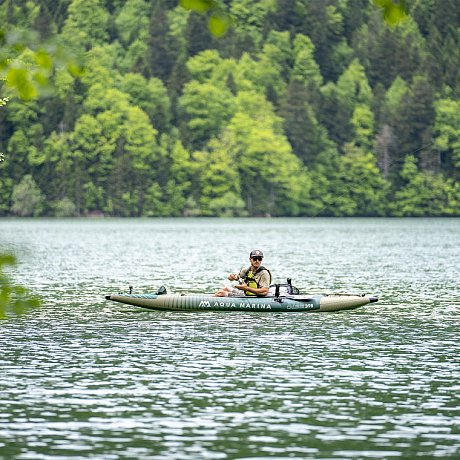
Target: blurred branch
13,298
394,11
219,18
27,63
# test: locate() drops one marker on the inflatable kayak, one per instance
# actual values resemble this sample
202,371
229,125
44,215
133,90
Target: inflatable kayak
272,303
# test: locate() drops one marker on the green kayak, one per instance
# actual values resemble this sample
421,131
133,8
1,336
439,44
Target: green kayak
274,303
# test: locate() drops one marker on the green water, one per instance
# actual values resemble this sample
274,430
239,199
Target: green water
85,378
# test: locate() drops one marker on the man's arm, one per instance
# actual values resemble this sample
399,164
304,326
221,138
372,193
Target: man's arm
262,291
237,276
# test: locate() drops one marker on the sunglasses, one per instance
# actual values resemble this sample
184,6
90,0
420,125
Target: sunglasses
257,258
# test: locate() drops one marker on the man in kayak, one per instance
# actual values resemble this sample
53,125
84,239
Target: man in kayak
253,281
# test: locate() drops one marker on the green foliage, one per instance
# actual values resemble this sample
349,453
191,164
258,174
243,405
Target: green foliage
65,208
86,25
27,64
26,68
299,108
14,299
305,67
394,11
132,20
219,18
447,131
273,180
170,195
6,189
306,135
362,183
424,193
28,200
362,121
151,96
353,87
207,108
398,91
389,53
219,185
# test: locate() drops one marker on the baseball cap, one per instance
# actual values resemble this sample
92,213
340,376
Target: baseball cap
256,252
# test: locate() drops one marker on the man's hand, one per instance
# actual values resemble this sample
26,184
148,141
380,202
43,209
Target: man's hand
242,287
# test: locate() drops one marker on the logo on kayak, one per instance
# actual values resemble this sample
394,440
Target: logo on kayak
241,305
205,304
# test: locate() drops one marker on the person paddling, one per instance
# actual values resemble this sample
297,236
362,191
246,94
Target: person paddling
253,281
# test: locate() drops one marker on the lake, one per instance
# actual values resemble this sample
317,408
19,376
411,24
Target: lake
81,377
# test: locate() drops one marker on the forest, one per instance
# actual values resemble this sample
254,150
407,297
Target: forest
298,108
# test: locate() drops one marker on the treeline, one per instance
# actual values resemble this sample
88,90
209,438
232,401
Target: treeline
303,108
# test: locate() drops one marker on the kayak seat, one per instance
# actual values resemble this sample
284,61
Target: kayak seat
283,290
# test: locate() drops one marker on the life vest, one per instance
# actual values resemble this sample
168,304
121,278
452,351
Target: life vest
250,279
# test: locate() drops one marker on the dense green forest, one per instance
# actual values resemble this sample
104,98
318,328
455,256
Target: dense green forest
302,108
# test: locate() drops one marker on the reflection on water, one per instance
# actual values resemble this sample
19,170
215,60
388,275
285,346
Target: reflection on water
84,378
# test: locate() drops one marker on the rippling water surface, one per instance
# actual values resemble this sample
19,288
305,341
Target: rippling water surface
84,378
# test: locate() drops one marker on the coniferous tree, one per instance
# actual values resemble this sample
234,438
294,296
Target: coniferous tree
306,135
323,23
354,16
159,58
286,16
44,23
198,36
417,115
389,53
